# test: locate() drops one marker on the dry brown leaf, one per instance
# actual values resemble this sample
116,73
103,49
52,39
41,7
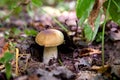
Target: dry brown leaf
33,77
37,25
95,11
89,51
3,47
103,70
100,69
2,29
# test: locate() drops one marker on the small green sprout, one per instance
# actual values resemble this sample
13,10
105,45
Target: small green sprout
5,60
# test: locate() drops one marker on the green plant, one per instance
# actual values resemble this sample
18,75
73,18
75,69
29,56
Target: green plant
98,37
12,32
30,32
37,3
84,10
15,7
89,12
114,10
5,60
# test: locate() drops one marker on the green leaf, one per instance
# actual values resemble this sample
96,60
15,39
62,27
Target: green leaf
114,10
8,68
97,24
83,9
15,31
99,37
88,32
37,2
5,60
2,60
8,56
17,10
31,32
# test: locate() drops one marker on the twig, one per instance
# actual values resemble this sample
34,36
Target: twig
28,56
17,54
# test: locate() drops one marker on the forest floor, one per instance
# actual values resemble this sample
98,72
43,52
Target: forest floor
77,60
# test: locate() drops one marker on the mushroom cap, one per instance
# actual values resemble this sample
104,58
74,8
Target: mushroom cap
50,38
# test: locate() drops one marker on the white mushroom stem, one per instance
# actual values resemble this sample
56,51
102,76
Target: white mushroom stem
49,53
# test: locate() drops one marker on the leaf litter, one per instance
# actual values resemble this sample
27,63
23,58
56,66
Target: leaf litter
76,60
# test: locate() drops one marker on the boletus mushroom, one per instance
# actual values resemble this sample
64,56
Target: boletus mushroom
50,39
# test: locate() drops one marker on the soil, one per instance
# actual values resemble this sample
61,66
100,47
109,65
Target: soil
77,60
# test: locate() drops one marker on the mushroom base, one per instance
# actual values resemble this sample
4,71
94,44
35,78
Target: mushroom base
49,53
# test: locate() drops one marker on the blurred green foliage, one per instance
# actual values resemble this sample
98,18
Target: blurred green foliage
9,4
16,7
5,60
37,2
111,10
30,32
114,10
83,9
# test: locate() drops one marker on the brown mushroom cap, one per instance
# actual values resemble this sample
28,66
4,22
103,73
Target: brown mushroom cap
50,38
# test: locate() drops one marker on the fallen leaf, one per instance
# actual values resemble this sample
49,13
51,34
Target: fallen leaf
115,35
37,25
100,69
3,47
33,77
116,70
89,51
